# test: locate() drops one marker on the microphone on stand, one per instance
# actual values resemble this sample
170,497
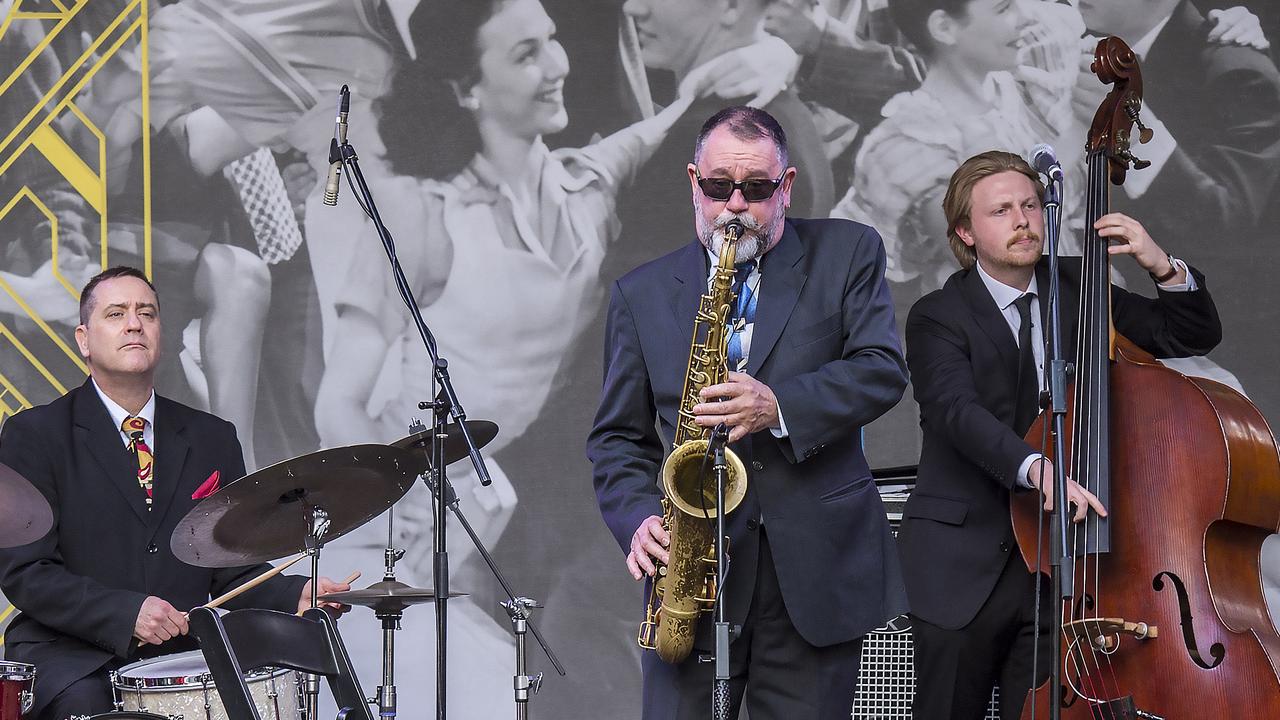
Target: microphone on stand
1045,161
331,184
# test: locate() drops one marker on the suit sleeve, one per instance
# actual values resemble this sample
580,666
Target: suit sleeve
870,375
281,592
1174,324
945,384
623,446
35,578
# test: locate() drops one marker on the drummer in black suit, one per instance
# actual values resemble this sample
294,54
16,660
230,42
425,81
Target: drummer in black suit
121,466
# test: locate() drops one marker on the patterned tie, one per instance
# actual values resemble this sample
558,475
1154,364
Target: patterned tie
744,315
133,427
1028,392
261,188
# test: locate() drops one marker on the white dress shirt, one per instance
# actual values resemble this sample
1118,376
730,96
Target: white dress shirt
119,415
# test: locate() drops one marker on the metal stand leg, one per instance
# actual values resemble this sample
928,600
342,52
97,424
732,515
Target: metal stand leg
524,685
387,690
319,525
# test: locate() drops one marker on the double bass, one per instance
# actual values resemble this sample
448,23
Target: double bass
1170,621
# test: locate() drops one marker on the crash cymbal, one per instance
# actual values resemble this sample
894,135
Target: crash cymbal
25,515
388,596
455,447
267,515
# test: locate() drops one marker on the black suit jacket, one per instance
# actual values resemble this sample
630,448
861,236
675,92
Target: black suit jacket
79,589
824,341
956,534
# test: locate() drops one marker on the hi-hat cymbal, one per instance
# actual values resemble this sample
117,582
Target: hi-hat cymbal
26,515
388,596
455,447
267,515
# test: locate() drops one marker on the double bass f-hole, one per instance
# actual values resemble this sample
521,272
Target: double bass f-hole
1216,650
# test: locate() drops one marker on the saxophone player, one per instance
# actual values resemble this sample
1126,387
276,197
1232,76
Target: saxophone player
811,355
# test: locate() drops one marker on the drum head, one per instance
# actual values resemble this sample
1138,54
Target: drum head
182,669
128,715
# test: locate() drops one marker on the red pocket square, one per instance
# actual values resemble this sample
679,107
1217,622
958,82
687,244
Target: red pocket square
208,487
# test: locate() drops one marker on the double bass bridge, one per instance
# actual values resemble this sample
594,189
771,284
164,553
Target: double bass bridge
1104,633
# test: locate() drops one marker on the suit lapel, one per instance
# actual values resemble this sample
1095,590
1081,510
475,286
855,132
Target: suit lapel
989,319
98,435
688,284
780,285
171,456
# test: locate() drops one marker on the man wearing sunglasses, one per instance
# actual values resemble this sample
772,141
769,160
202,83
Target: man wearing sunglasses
813,357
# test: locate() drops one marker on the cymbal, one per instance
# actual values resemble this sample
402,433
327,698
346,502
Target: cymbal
267,515
26,515
455,447
388,596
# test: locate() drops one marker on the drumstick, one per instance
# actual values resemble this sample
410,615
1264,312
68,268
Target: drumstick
231,594
350,579
252,583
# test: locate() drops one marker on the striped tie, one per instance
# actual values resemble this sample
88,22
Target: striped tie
744,315
133,427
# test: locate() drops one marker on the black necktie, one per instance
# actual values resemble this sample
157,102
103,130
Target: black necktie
1028,405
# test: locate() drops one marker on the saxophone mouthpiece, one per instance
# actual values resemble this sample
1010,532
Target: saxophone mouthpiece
733,229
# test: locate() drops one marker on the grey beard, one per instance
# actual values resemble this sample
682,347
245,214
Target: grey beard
751,244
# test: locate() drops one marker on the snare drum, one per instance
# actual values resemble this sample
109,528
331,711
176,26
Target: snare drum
17,683
181,686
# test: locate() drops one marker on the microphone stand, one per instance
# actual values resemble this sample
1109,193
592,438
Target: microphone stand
440,370
720,685
445,407
1063,571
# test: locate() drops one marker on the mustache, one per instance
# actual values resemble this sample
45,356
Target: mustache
748,221
1020,236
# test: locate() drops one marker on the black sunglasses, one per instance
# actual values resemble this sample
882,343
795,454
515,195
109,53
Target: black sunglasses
753,190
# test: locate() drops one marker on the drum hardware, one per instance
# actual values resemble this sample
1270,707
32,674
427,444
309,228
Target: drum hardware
518,609
437,481
27,515
388,600
17,687
455,448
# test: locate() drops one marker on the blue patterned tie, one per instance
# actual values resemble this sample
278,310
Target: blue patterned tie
744,315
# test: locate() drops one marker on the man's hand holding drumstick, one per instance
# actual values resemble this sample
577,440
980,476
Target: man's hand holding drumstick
159,621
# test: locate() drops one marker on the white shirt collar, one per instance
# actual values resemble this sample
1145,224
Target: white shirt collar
119,414
1004,295
1143,46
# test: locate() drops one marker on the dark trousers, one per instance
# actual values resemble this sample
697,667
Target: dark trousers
956,669
781,675
87,696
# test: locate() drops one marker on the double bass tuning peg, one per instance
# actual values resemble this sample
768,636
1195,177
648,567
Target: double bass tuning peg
1131,108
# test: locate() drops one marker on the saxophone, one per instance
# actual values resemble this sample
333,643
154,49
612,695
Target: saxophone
686,585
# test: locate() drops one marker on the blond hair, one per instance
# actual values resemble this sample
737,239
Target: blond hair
958,202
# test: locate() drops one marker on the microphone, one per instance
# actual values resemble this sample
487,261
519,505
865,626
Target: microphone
1045,161
331,184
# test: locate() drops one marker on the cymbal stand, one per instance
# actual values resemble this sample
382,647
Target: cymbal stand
525,685
317,526
390,617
